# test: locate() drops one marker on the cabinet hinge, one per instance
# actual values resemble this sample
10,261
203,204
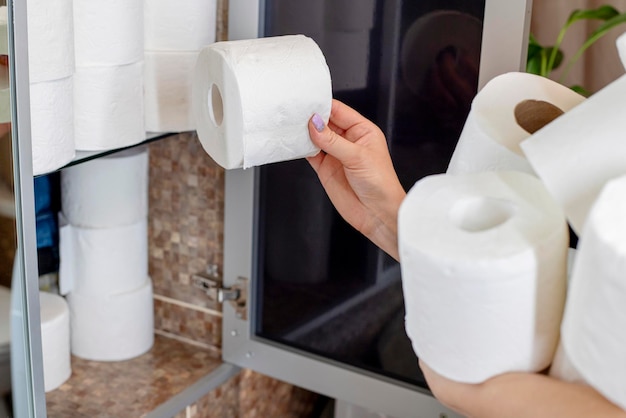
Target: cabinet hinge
213,285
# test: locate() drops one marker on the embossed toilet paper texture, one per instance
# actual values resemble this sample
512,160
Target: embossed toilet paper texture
253,99
576,154
595,319
491,136
483,260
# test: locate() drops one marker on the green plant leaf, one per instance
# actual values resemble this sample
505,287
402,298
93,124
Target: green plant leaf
601,13
597,34
581,90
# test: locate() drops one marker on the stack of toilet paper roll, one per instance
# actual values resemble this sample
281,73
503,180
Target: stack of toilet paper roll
108,38
104,256
173,38
51,63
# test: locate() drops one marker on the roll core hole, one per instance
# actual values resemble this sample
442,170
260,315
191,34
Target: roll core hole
478,214
216,105
532,115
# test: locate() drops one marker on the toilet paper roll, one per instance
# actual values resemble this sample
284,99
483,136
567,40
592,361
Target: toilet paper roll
594,319
109,107
348,56
491,137
112,328
346,16
52,124
107,192
55,340
168,91
562,367
483,261
621,48
579,152
253,99
189,26
50,40
5,95
108,33
4,34
105,261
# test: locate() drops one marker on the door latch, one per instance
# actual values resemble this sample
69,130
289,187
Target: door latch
213,285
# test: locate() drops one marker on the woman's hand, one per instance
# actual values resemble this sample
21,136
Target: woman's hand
356,171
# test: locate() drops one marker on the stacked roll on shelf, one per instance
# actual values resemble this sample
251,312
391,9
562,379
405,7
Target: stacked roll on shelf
104,256
173,39
51,63
109,74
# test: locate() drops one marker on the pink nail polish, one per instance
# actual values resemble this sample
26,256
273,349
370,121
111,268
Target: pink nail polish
318,122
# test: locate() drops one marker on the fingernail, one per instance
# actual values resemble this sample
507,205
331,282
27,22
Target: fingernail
318,122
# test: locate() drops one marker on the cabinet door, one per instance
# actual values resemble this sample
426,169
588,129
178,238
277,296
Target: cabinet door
324,306
23,312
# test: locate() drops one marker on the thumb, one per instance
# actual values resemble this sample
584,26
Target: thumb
329,141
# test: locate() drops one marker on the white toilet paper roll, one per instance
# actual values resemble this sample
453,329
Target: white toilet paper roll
595,318
483,261
348,55
4,34
5,95
621,48
346,16
579,152
107,192
491,137
168,91
112,328
50,40
55,340
109,106
108,33
103,262
252,99
562,367
189,26
52,124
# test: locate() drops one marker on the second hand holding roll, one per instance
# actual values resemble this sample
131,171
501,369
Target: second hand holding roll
253,99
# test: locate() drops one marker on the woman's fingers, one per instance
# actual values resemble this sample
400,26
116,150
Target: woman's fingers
331,142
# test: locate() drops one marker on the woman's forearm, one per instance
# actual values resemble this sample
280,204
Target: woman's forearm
524,395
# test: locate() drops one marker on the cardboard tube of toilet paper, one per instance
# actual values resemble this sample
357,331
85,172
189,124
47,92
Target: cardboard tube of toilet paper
594,320
621,48
109,106
104,261
52,124
112,328
189,26
580,151
252,99
50,40
168,90
55,340
107,192
108,33
491,137
483,261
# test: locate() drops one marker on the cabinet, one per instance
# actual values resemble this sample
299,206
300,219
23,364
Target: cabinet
246,340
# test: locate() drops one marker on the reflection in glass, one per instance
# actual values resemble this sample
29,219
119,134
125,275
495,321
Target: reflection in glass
411,67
